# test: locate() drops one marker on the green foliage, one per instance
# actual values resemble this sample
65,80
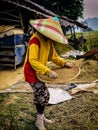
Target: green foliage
62,48
91,40
72,9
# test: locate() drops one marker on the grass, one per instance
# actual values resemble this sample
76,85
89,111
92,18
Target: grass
91,39
18,113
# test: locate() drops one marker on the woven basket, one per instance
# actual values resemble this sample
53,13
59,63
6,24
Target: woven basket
64,75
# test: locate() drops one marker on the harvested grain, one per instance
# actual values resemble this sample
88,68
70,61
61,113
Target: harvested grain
64,75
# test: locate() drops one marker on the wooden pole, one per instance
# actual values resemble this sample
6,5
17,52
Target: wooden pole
20,15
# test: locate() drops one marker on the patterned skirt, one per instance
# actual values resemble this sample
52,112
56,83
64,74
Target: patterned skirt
41,93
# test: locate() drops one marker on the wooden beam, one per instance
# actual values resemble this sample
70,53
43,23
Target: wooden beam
64,20
10,20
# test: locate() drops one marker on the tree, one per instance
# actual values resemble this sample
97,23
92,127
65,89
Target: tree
72,9
88,29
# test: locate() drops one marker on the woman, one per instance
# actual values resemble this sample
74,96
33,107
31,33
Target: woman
39,51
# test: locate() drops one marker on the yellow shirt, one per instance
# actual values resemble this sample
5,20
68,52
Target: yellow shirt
39,52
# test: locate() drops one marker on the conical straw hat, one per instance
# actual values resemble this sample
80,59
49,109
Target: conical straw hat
50,28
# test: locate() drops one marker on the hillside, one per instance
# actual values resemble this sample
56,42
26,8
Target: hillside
91,23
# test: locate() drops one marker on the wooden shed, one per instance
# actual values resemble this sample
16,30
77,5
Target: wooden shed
14,22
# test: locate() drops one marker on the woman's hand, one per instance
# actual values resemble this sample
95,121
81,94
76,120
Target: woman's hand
52,75
69,65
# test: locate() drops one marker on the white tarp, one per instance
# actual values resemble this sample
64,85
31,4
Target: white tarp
58,95
72,53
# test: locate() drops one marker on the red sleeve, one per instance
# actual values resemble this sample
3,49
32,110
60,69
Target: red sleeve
34,41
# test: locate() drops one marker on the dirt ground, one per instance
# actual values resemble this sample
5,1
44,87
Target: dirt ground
9,76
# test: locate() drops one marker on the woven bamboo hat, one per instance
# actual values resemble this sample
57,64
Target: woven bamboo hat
50,28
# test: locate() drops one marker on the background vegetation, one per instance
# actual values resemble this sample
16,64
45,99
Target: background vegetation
72,9
91,42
